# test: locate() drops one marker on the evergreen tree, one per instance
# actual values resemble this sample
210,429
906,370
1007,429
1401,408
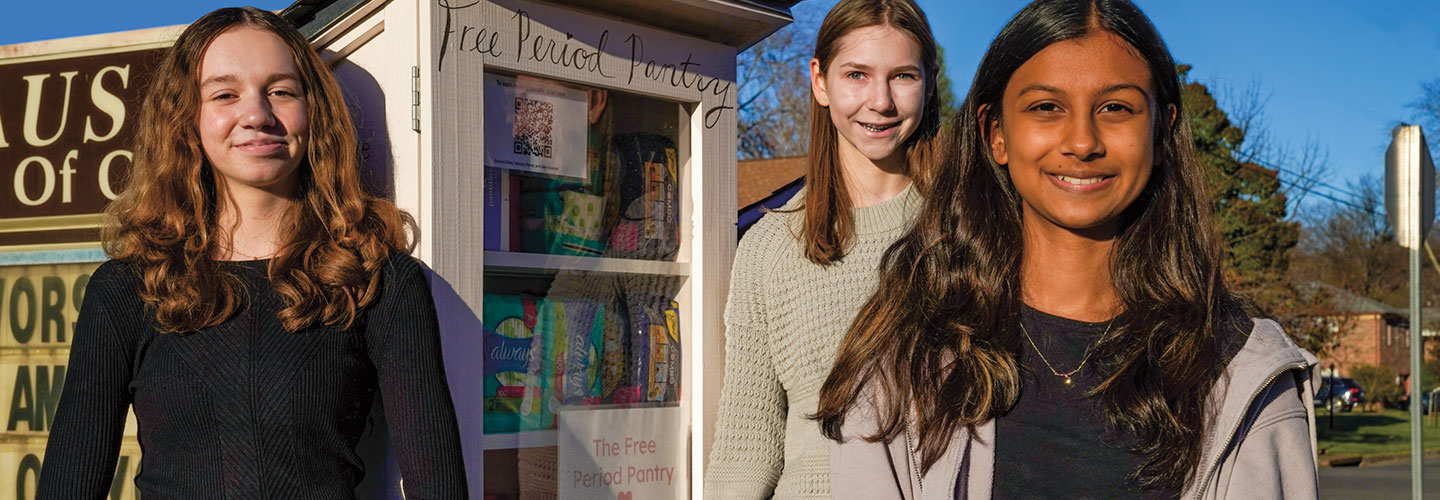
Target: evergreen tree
1250,215
1248,201
949,105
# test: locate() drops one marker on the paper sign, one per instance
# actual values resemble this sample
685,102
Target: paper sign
622,454
39,309
535,125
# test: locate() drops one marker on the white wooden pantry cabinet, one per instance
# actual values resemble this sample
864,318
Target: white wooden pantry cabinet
421,77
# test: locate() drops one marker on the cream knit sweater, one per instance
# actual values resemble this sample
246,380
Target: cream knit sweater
784,323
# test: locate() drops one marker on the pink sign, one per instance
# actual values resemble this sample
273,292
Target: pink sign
622,454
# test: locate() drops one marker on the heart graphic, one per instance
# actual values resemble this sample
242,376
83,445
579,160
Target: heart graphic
624,495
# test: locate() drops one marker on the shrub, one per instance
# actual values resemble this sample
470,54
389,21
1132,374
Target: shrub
1379,384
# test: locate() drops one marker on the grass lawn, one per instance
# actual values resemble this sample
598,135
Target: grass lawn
1367,433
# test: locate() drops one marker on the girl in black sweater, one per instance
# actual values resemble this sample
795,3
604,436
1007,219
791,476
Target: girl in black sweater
257,300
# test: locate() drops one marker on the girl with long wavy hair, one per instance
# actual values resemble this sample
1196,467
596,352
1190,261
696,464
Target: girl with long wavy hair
257,300
1056,325
802,272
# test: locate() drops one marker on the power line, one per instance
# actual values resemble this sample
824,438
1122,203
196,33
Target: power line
1331,197
1316,182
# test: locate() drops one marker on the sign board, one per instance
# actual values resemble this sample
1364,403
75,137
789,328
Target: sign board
39,306
1409,186
567,45
66,126
622,454
20,465
537,126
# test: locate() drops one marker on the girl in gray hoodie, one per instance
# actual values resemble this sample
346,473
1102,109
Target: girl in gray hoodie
1056,324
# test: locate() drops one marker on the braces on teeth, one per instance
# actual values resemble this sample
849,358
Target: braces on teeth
1081,182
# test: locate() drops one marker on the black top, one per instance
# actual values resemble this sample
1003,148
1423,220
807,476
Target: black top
1054,443
247,410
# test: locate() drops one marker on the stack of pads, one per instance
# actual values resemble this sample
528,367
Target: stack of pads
545,355
595,338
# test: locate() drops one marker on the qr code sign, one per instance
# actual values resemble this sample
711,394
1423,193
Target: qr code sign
534,121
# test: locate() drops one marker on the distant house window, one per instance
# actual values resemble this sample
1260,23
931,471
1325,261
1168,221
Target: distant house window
1389,335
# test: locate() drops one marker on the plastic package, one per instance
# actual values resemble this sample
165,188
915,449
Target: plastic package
510,326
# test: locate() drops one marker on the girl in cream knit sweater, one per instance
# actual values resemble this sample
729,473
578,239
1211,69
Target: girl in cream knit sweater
802,273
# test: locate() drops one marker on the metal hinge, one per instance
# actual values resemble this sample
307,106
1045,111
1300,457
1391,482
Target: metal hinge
415,98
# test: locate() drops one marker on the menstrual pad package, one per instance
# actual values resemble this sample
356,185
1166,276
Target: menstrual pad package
666,385
510,325
663,369
649,225
580,331
545,368
562,223
634,380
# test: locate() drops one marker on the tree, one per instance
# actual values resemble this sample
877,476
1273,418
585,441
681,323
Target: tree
774,91
1350,245
1249,205
1251,216
1427,113
949,105
1431,368
1302,166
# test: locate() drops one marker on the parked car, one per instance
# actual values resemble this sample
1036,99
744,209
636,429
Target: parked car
1424,401
1339,393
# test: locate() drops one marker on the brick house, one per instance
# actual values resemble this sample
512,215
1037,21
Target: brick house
763,185
1370,332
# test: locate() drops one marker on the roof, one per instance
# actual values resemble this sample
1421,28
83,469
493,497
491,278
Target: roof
748,216
313,16
737,23
1346,302
1428,315
759,179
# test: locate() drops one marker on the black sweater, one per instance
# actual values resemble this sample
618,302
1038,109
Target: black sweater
247,410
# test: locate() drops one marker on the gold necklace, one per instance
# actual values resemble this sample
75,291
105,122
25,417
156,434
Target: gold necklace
1057,373
234,251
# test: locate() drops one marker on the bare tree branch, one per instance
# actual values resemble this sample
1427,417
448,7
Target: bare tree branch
774,90
1302,168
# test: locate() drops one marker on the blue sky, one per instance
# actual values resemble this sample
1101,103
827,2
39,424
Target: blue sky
1339,72
31,20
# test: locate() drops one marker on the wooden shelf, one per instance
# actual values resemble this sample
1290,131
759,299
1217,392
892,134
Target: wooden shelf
526,439
549,263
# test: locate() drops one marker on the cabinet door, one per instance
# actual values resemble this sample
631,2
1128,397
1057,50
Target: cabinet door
582,195
372,50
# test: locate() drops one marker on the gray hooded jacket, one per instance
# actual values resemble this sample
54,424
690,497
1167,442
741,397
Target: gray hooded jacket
1261,445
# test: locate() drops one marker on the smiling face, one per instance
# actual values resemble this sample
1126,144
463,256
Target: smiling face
1076,132
253,121
874,88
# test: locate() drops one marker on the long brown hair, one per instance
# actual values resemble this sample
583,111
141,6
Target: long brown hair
829,225
940,338
165,221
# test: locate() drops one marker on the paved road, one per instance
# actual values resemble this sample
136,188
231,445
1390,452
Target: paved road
1381,482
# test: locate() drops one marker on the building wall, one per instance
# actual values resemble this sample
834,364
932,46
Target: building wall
1368,339
1357,343
1393,347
